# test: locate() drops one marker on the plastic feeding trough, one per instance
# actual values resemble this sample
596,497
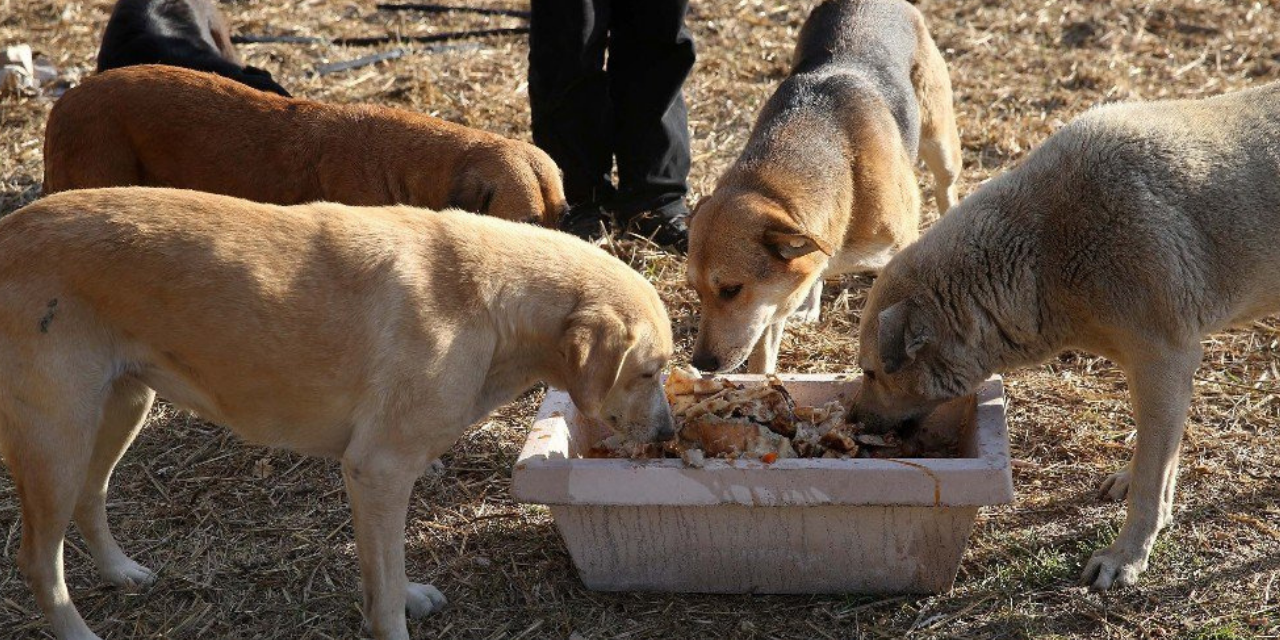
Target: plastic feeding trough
798,525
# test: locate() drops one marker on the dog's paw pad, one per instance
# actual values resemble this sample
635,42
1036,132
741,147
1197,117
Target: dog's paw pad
423,599
128,574
1115,487
1108,568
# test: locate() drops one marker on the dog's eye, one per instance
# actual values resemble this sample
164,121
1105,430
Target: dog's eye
729,293
649,376
869,375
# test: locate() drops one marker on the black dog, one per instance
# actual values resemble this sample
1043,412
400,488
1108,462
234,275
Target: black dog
180,33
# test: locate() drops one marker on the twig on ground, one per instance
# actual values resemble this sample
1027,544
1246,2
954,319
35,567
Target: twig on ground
364,61
364,41
440,8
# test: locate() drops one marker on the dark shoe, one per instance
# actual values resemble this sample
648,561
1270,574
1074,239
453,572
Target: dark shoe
587,221
665,228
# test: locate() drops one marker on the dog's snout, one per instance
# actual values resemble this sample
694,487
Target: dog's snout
706,361
666,425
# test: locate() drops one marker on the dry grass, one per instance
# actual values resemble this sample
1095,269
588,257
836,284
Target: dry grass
257,544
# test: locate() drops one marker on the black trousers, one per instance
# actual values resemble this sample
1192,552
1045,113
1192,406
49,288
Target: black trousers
585,115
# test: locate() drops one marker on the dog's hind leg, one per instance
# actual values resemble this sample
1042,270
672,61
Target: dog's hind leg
939,139
125,411
48,445
1161,390
112,167
379,480
943,160
85,150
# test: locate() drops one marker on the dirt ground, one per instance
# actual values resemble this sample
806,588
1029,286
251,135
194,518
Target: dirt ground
253,543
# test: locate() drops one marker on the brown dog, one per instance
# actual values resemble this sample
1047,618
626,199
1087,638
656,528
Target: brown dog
1133,232
373,335
155,125
825,185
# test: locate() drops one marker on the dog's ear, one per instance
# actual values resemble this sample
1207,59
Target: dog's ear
594,347
789,244
901,335
471,193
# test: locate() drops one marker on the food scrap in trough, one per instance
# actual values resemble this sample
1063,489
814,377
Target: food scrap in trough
717,418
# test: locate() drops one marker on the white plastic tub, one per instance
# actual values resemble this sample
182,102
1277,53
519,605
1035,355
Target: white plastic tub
795,526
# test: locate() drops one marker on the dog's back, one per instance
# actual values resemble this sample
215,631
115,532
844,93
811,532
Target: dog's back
851,78
1159,217
156,125
1193,183
160,125
181,33
312,288
851,47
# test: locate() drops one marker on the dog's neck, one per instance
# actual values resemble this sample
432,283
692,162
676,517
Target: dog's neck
524,353
529,317
1014,321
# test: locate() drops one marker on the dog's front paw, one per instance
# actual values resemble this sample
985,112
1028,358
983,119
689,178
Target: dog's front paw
423,599
127,574
807,316
1116,486
1113,567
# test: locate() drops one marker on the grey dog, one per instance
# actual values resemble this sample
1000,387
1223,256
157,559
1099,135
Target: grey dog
1131,233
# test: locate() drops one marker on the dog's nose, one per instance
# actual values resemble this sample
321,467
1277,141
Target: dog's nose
706,362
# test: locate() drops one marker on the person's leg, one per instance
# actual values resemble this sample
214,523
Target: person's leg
569,99
650,55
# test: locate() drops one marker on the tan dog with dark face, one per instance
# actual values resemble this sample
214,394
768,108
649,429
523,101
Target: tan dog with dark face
1132,233
161,126
375,336
826,184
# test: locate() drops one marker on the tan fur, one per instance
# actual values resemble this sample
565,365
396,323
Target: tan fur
1132,233
155,125
828,169
375,336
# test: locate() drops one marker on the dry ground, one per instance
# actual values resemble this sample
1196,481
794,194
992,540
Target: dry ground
254,543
